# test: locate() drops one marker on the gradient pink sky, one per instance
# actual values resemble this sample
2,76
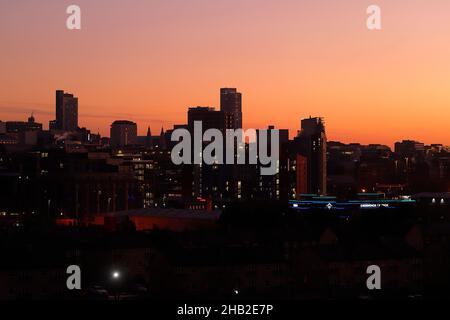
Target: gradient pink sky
148,60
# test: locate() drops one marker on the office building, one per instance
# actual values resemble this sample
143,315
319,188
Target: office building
409,148
210,118
311,145
123,133
273,187
66,111
231,103
15,127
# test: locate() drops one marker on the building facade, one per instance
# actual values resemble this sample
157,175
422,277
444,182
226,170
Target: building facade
66,111
231,103
123,133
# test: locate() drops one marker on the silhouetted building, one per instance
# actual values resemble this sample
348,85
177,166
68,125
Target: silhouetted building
56,184
342,164
85,136
148,138
2,127
409,148
24,132
123,133
211,180
14,127
272,187
52,125
231,103
162,140
66,111
209,117
311,143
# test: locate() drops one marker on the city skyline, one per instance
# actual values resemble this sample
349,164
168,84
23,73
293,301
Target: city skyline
144,129
148,62
224,158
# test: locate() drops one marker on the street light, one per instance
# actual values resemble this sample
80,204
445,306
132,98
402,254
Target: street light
115,275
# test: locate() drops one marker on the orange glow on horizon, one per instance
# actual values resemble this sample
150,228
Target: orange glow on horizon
149,61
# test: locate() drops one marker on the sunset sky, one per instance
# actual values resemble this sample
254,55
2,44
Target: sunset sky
148,60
